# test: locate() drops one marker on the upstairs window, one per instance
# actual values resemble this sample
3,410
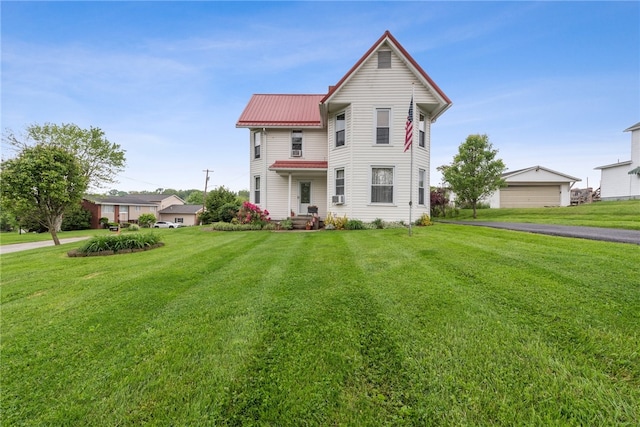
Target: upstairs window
384,59
296,143
257,141
381,185
340,130
382,125
421,140
339,182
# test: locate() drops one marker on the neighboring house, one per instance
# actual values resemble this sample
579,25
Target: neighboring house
127,209
343,151
181,214
621,181
533,187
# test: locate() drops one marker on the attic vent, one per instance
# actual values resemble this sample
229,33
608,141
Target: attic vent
384,59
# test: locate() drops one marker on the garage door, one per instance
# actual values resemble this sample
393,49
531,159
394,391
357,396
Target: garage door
530,196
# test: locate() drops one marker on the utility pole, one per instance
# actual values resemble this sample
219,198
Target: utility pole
204,195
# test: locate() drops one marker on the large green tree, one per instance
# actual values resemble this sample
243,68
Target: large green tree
101,160
475,172
41,183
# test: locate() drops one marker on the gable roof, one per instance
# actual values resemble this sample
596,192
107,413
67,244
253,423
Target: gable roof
514,173
281,110
416,68
181,209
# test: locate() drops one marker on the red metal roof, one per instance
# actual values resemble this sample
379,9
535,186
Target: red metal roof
386,35
299,164
282,110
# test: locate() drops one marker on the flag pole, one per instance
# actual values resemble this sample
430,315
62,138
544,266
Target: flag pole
412,111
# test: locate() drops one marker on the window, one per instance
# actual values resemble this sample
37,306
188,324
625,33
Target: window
256,191
339,182
384,59
153,208
296,143
124,209
178,220
108,209
136,208
382,125
421,176
257,140
340,130
421,140
381,185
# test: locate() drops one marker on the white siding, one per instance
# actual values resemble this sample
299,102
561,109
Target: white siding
276,145
615,182
368,89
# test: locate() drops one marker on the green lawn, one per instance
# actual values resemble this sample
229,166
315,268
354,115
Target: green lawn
453,326
625,214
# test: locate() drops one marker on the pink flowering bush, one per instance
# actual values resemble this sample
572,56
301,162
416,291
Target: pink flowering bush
252,214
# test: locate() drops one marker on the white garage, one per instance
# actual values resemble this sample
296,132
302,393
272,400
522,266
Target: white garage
533,187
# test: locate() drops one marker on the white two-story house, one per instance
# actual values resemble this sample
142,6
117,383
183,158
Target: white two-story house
344,151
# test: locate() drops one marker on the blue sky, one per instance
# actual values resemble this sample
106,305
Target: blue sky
552,83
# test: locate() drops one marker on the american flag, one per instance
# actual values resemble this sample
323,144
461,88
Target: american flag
408,137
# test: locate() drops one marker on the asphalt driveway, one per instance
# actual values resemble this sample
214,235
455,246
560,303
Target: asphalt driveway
592,233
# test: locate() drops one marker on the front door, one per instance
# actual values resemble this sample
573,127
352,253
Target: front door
304,197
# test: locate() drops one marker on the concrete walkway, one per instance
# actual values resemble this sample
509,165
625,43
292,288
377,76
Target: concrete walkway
591,233
17,247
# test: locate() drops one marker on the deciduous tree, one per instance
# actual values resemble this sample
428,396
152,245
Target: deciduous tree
41,183
101,159
475,172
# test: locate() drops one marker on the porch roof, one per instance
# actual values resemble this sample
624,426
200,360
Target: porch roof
299,165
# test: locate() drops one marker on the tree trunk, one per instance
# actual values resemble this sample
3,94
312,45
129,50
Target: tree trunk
54,226
474,208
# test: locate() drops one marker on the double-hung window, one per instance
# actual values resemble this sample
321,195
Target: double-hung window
339,182
256,190
383,122
257,142
340,130
381,185
296,143
421,180
422,128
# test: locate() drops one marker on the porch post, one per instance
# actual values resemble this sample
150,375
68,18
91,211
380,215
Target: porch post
289,197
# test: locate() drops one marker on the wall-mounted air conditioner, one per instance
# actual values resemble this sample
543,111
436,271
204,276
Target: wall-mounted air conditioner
337,200
296,153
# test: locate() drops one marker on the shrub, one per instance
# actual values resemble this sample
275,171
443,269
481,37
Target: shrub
378,223
337,222
133,227
424,220
146,220
104,221
76,218
252,214
354,224
228,211
287,224
119,242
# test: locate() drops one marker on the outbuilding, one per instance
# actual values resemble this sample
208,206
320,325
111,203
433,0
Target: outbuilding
533,187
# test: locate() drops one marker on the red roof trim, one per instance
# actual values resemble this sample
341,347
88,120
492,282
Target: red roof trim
299,164
386,35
